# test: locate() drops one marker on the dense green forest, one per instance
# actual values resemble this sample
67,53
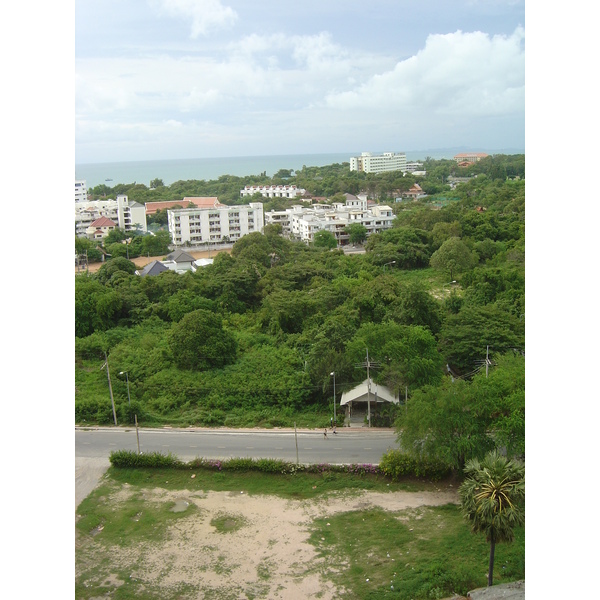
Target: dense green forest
252,339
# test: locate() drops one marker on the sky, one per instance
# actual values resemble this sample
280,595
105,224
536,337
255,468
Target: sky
170,79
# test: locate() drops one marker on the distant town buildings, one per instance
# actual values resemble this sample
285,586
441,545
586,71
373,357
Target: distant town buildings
127,215
302,222
80,191
468,158
272,191
378,163
213,224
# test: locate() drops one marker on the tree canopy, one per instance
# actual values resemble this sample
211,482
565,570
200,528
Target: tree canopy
280,315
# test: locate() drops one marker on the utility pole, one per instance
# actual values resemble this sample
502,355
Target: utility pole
368,390
112,400
368,364
296,437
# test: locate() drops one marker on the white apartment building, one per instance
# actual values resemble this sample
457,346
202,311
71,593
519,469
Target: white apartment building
127,214
206,225
301,222
411,167
272,191
80,191
378,163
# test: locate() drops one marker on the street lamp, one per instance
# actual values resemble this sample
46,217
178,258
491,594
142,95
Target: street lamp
393,262
449,283
127,379
334,417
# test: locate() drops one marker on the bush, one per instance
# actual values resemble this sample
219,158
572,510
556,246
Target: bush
127,459
395,465
93,410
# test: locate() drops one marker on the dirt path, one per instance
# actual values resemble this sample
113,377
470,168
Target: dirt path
268,557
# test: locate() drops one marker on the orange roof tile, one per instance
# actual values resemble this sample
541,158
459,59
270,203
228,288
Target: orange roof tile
200,202
103,222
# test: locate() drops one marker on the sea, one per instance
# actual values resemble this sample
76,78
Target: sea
207,169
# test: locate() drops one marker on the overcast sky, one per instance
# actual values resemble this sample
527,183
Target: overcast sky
165,79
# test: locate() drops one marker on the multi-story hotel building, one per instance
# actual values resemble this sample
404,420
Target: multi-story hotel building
127,214
214,224
301,222
378,163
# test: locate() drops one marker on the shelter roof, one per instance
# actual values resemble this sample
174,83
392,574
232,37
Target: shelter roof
360,393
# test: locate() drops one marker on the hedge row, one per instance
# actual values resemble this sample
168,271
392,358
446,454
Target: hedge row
394,465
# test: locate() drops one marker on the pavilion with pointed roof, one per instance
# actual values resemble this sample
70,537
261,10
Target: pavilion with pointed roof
362,401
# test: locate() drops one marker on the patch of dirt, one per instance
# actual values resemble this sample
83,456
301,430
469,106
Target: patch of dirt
142,261
268,557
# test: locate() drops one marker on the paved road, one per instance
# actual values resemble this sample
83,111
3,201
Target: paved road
94,445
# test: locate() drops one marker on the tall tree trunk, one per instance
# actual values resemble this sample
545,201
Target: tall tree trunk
491,568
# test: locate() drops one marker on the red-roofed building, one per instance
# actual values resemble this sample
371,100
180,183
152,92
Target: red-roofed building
469,157
100,228
416,191
200,202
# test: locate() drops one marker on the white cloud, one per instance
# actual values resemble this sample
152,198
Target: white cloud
206,15
456,73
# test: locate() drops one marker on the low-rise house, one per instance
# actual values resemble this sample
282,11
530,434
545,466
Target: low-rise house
415,192
153,268
179,261
100,228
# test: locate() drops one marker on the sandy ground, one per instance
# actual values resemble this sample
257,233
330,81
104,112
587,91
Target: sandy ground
268,557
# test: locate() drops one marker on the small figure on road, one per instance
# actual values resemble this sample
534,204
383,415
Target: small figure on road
334,428
325,433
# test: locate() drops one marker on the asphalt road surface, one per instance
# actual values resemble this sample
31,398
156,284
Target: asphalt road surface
350,445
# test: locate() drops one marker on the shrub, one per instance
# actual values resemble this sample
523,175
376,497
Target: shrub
127,459
395,465
93,410
239,464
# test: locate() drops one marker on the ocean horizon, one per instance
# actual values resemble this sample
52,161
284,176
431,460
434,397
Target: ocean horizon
207,169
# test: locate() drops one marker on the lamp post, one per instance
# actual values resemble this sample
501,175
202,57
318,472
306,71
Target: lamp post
127,379
393,262
334,417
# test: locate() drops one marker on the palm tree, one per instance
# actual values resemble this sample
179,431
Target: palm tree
493,499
